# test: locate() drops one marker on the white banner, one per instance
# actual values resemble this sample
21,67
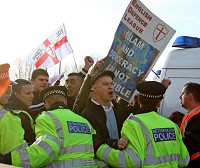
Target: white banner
139,40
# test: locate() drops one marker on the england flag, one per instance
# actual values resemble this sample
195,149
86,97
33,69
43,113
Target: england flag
52,50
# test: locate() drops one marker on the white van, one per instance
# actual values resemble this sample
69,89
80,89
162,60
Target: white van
181,66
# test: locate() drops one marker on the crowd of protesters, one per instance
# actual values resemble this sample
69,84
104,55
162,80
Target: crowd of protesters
84,124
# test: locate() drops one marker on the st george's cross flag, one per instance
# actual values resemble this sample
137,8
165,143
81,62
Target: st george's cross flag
52,50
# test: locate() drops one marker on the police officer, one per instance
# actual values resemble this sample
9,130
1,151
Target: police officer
11,131
19,102
64,139
154,141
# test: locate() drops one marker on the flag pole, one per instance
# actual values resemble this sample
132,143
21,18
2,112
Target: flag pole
155,73
73,57
59,67
75,62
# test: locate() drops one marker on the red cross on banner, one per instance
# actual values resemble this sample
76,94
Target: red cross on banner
159,32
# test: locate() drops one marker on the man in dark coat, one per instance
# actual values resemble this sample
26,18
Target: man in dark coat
75,80
105,115
39,80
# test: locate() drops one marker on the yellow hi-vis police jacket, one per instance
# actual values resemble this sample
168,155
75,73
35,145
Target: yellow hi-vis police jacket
154,142
64,139
11,132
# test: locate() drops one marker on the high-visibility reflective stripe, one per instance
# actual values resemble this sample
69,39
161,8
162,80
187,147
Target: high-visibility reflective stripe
58,125
122,159
2,112
22,146
106,153
184,160
101,164
53,138
77,148
195,156
162,159
73,163
46,147
134,157
150,159
25,161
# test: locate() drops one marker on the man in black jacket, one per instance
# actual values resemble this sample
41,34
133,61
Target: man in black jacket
105,115
39,80
190,126
75,80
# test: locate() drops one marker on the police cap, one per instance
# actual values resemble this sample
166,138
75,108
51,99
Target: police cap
101,74
151,89
4,78
53,90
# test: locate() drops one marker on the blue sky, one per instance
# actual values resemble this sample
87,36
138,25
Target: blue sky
90,24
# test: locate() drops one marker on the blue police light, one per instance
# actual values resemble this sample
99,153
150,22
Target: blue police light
158,72
186,42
